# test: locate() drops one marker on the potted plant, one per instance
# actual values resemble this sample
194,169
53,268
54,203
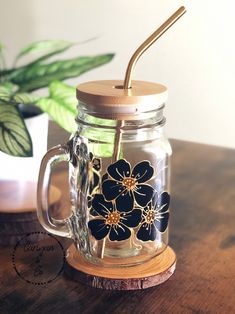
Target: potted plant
20,101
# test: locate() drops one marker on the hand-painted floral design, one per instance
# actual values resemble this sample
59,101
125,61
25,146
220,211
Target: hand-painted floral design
73,152
94,166
126,186
89,201
89,168
155,217
108,221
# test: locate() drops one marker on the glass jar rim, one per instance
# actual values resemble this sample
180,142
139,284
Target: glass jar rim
149,119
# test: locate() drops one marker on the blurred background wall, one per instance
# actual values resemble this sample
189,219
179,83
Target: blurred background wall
195,59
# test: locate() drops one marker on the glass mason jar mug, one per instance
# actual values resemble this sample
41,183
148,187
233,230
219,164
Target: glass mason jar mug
119,173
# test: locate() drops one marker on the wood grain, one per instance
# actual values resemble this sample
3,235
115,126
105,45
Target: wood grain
142,276
202,233
110,93
108,99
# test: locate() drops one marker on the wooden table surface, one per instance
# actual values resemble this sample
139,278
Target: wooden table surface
202,233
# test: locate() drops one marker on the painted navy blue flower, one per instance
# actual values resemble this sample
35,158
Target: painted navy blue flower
126,186
155,217
108,221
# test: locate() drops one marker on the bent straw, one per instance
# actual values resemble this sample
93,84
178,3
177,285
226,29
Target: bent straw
127,81
135,57
148,42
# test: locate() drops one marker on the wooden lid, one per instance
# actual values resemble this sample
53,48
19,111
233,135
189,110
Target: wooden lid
108,98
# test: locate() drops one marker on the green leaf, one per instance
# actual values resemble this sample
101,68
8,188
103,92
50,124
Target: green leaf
102,143
8,95
19,99
41,75
5,73
8,87
6,90
64,93
47,48
58,113
25,98
14,136
61,105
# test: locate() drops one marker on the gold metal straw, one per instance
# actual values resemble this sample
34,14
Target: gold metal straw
148,42
127,82
117,140
142,48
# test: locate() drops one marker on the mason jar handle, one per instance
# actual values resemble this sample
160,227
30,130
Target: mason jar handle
55,226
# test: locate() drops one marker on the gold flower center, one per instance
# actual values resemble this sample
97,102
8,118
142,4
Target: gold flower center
113,218
150,217
129,183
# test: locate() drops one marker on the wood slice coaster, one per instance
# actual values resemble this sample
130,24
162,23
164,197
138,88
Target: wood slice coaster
146,275
18,210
